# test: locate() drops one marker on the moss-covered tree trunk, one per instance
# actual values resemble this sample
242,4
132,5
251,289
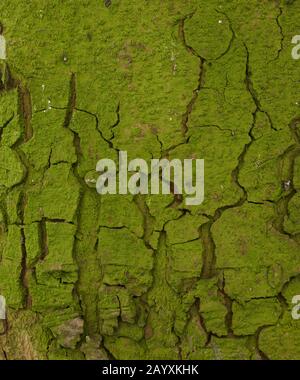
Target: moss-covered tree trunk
86,276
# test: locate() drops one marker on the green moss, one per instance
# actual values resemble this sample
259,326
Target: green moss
97,277
12,170
125,264
184,265
10,269
248,317
212,307
9,119
230,349
254,243
275,340
176,234
242,284
124,348
58,183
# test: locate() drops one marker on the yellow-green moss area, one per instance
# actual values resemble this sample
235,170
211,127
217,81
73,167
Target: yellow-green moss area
145,277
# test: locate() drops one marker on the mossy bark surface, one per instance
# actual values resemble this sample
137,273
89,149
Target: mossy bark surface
147,277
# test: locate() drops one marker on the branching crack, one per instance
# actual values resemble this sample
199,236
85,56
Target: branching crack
281,35
202,61
251,90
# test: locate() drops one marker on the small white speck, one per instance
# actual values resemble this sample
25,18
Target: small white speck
171,118
43,87
220,21
297,103
287,185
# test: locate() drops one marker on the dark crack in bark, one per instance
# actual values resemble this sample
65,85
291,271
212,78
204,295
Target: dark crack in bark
280,29
252,91
288,190
202,61
233,36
